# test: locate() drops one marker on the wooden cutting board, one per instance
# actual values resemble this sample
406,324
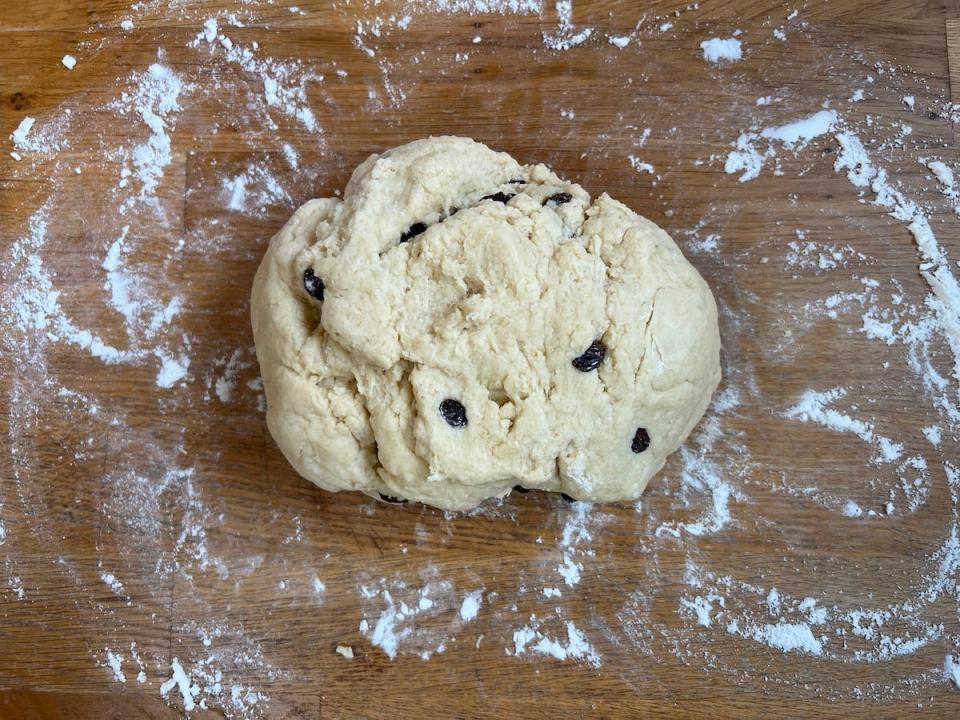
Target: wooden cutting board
149,528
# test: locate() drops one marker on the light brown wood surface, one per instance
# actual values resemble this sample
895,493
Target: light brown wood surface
263,525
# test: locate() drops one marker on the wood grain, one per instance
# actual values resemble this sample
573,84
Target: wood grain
953,56
64,524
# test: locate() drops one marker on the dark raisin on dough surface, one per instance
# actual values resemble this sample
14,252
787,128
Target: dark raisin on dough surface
641,440
591,358
453,412
312,284
559,198
392,500
499,197
413,231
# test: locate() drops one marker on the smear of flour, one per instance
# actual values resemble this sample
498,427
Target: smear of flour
155,98
284,84
529,639
421,619
575,542
749,160
201,683
814,407
703,476
566,35
934,264
253,191
951,669
47,138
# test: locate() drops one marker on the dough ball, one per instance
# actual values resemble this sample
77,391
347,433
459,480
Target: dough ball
459,324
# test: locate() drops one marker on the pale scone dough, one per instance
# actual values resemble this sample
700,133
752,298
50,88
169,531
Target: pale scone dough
483,324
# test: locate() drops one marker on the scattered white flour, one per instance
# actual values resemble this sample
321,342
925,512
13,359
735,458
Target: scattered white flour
716,50
172,370
702,607
529,639
253,191
788,637
749,161
813,406
945,177
951,669
284,83
565,36
575,541
155,99
709,244
19,136
639,165
225,385
715,618
702,476
486,7
933,433
116,664
399,618
851,509
141,673
471,605
110,580
69,62
821,257
179,679
934,267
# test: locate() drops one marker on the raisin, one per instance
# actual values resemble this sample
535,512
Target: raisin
499,197
412,232
453,412
568,498
641,440
591,358
559,198
516,181
392,500
933,115
312,284
521,489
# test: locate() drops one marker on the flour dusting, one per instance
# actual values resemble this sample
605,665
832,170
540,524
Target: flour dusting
150,445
